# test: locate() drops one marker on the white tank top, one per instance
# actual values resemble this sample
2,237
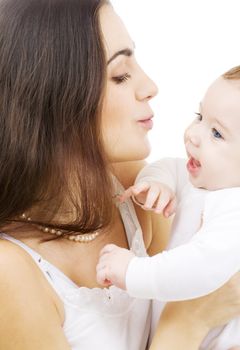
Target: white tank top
98,318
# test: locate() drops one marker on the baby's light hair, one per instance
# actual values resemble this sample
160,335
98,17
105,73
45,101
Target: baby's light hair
233,73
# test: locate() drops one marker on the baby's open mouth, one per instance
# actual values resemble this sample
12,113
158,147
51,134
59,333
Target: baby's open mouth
193,164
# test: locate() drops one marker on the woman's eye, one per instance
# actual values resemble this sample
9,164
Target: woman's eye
121,78
216,134
199,116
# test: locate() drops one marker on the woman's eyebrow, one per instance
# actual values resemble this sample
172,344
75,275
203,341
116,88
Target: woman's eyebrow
125,52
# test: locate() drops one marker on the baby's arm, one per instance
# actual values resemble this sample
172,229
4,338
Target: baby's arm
157,185
198,267
112,265
152,195
169,171
188,271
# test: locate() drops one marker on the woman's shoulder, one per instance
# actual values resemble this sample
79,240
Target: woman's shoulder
20,275
17,274
19,271
27,303
14,261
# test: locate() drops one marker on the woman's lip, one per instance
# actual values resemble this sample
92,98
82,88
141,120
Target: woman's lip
146,123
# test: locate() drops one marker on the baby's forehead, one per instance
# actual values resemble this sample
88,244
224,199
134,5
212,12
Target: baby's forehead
235,83
222,102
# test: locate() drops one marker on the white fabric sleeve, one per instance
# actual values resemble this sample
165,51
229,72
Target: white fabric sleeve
198,267
169,171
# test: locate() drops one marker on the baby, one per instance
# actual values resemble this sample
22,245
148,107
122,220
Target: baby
204,250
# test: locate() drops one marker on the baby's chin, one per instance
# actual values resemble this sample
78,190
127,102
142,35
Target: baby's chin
209,187
201,185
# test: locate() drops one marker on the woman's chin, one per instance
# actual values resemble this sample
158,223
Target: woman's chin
130,152
139,155
146,149
130,157
141,152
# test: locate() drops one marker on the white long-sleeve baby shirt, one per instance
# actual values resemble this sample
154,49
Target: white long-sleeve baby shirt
204,251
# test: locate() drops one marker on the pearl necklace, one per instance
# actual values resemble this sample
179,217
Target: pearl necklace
81,238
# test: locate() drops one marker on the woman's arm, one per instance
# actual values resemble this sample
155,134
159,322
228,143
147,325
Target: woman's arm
30,318
177,331
183,325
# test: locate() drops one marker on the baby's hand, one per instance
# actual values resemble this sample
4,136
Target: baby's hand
152,196
112,266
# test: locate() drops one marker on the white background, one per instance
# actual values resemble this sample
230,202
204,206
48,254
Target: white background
183,45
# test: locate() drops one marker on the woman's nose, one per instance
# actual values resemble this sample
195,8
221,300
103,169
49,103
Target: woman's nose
192,135
147,89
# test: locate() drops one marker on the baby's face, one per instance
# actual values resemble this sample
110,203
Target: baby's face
212,141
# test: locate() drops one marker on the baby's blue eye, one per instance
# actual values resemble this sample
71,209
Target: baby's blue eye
216,134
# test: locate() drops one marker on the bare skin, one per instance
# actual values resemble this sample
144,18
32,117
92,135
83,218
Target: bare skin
179,318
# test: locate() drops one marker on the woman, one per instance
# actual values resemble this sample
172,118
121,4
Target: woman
74,121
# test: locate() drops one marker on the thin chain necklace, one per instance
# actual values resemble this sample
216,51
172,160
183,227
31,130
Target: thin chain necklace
81,238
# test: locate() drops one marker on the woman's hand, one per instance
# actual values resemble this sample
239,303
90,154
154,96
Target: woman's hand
183,325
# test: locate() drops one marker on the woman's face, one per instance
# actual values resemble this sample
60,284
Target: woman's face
126,116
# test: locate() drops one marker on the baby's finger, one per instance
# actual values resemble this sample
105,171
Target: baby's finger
170,208
108,248
106,259
126,194
152,197
162,202
102,277
134,191
140,187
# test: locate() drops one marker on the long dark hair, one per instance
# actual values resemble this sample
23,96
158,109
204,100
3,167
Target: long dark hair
52,80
